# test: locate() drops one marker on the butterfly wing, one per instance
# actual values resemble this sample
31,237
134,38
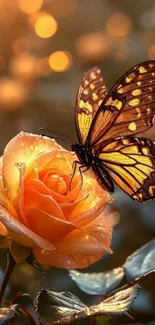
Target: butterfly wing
128,108
131,164
103,177
91,93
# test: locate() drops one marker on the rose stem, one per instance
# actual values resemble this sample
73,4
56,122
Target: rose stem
9,268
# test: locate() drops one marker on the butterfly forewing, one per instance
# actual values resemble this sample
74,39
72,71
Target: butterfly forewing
131,164
106,124
91,93
128,108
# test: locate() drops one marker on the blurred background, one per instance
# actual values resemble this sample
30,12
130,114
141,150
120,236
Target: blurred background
45,47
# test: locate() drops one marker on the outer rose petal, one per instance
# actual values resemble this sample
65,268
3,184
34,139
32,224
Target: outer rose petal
18,252
23,148
64,261
3,231
21,234
94,238
3,198
2,192
82,248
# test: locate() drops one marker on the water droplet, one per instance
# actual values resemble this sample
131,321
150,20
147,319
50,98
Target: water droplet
55,176
31,147
21,134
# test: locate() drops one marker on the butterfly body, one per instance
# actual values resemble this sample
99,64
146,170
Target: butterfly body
83,153
106,123
96,165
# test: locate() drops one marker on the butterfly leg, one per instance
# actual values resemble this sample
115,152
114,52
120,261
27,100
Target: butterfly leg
75,163
82,171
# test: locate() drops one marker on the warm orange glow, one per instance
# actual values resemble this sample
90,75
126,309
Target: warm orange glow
24,67
60,61
13,94
63,8
21,45
45,25
121,54
147,38
43,67
151,52
93,45
30,6
118,24
2,63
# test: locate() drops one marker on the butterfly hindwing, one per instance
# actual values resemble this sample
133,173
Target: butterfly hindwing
128,108
103,178
131,164
91,93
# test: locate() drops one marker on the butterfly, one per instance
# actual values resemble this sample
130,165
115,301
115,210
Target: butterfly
107,123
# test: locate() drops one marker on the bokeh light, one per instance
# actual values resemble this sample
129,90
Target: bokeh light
118,24
45,25
13,94
60,61
93,46
30,6
151,52
24,67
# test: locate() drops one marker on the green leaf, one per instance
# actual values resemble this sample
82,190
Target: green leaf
63,308
8,313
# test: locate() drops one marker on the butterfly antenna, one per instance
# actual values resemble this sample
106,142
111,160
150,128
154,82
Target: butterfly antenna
55,135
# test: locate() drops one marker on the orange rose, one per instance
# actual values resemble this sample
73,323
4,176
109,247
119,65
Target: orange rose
64,227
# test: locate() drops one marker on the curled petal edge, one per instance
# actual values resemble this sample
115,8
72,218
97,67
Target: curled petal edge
21,234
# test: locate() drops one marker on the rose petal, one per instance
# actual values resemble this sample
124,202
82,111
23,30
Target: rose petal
94,238
60,160
34,199
21,234
82,248
23,148
19,200
112,215
88,209
2,192
3,198
4,242
18,252
47,226
38,186
3,231
64,261
67,208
